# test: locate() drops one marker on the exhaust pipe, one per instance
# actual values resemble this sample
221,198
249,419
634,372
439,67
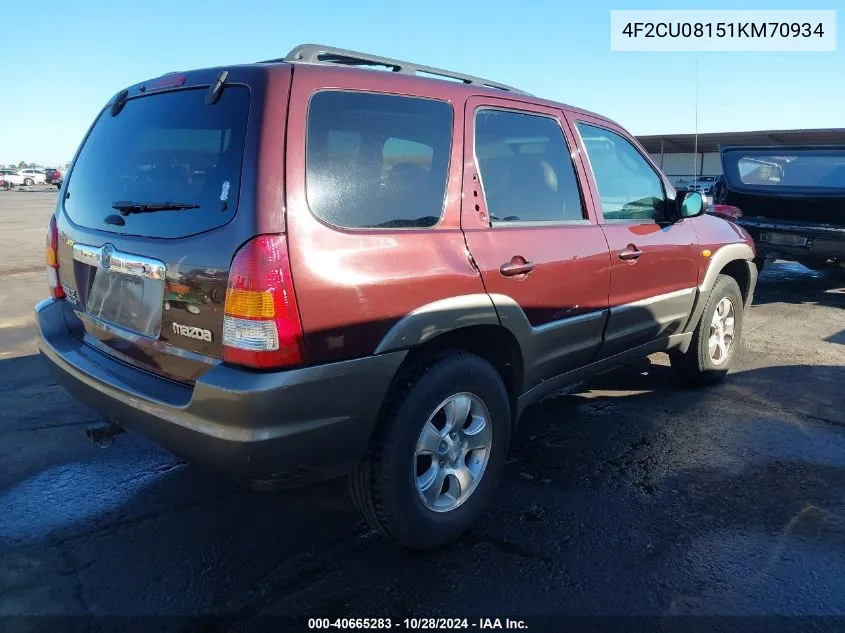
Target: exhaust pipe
103,434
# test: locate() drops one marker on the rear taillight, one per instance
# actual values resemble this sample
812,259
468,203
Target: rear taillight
56,289
727,211
261,326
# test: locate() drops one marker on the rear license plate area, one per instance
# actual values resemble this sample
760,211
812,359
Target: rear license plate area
128,301
783,239
120,289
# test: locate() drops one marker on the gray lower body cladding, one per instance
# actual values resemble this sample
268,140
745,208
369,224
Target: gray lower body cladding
300,424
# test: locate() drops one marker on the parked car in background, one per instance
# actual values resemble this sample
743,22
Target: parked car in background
704,185
32,176
790,199
54,176
14,177
375,281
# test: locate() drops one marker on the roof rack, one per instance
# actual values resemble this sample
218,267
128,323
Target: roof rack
319,54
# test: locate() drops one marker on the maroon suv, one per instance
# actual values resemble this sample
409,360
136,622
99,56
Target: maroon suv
300,268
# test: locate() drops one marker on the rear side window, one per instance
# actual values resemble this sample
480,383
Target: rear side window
526,169
168,147
377,161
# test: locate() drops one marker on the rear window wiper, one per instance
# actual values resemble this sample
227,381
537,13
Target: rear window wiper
126,207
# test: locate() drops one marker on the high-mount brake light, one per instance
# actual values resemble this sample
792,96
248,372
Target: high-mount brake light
56,290
167,81
261,326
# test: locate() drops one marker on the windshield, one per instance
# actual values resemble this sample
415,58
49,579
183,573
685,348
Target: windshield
163,147
818,169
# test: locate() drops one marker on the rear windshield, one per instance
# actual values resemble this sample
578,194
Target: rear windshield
169,147
797,169
376,160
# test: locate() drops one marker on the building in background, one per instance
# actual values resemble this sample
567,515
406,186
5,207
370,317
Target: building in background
677,157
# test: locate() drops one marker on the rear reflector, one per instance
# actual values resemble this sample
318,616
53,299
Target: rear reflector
56,290
261,326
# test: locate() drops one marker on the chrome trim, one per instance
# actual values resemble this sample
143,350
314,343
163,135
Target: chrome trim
107,257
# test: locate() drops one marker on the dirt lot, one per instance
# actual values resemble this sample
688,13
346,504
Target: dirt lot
630,496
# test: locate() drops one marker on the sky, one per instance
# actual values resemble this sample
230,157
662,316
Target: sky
63,63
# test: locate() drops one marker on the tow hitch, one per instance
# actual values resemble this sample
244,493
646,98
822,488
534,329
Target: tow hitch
103,434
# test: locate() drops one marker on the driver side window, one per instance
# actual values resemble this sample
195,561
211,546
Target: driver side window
629,188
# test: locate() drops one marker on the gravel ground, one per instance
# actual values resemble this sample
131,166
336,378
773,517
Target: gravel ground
630,496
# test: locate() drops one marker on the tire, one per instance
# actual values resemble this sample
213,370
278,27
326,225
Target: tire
28,182
697,365
384,485
58,185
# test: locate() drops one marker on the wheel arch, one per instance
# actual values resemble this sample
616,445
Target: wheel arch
469,323
734,260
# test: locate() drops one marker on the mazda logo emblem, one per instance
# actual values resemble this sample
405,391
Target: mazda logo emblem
106,255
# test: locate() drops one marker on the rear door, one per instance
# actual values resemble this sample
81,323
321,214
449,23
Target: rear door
654,255
147,283
530,231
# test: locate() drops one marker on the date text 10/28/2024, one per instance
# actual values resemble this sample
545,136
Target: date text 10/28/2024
417,624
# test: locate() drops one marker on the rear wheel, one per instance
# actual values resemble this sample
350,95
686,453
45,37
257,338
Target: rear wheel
715,340
438,451
28,182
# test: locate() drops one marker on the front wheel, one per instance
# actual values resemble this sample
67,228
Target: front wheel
28,182
715,340
437,453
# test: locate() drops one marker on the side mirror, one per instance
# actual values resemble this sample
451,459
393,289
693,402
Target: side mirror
692,205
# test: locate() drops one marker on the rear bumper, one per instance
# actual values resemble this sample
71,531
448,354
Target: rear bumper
279,427
823,241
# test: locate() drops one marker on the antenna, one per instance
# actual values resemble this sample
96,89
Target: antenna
695,166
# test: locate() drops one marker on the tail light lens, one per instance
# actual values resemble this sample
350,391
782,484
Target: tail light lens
727,211
261,326
56,290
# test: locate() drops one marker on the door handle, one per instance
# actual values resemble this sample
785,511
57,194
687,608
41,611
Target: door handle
516,266
630,253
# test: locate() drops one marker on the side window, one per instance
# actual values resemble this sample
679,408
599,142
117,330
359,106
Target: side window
526,169
377,160
629,188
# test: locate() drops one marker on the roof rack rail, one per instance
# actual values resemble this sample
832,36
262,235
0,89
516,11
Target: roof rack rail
319,54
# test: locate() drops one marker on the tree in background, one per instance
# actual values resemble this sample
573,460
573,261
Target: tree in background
22,164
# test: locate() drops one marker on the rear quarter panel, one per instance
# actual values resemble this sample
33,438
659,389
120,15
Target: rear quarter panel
353,285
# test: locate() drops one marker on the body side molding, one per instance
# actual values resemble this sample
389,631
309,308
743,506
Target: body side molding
547,350
598,367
